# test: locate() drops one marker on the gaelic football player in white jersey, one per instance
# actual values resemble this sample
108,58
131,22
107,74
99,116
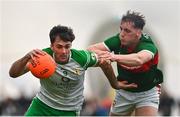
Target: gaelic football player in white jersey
62,93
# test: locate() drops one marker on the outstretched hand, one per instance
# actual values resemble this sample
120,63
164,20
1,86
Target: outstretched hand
126,85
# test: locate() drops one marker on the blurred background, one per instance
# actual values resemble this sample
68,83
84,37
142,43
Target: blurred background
25,25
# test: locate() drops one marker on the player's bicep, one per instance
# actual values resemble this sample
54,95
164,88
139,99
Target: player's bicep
145,55
91,59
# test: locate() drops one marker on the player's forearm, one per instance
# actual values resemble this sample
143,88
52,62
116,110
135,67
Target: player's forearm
93,48
129,60
108,71
98,48
19,67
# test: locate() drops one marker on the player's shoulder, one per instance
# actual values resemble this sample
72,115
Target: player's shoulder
78,53
114,37
83,57
79,56
48,50
113,42
146,43
146,38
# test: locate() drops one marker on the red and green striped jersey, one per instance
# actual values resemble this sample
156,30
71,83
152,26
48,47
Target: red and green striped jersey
142,75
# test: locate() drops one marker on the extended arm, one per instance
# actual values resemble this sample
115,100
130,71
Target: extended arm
106,67
98,48
134,59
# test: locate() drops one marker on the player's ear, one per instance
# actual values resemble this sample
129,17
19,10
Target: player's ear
138,33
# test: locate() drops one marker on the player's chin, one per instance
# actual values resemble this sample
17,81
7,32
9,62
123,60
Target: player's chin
63,60
124,43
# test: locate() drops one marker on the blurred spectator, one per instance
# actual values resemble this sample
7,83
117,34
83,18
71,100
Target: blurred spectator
166,104
0,108
8,107
11,107
22,104
89,107
179,106
94,107
103,108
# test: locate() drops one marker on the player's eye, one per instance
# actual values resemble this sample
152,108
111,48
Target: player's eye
59,46
67,47
127,31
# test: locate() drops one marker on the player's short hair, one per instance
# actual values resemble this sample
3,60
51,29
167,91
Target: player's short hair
135,17
64,32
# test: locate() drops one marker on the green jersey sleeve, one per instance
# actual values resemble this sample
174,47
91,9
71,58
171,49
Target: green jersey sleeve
84,58
112,43
147,44
91,59
48,50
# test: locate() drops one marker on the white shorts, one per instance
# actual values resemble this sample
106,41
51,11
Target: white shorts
125,102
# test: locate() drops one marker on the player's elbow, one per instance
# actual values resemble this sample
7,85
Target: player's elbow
142,58
12,74
139,61
115,87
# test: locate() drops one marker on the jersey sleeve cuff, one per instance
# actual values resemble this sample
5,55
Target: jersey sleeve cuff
97,59
106,47
149,52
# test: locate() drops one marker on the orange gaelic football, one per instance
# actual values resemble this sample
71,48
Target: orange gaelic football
42,67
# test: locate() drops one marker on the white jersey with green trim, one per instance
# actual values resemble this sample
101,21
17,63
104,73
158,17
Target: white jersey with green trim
64,89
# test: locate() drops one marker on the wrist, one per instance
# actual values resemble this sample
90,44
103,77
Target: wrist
116,86
113,57
26,57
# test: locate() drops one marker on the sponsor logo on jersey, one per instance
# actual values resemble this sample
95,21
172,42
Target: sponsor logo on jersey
76,71
65,79
65,73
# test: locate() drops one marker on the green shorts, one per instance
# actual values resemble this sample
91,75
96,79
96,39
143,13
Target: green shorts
38,108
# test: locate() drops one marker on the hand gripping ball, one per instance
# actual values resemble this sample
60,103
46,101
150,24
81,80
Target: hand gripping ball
42,66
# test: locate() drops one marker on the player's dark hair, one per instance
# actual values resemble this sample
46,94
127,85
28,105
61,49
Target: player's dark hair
135,17
64,32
